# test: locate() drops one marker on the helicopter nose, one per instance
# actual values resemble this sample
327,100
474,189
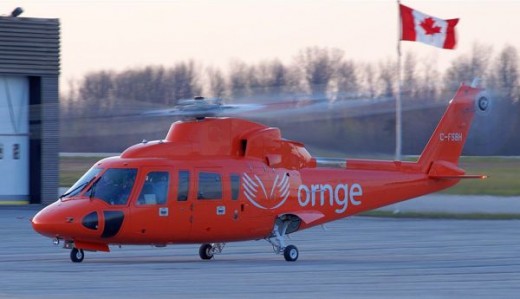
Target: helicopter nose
45,224
50,221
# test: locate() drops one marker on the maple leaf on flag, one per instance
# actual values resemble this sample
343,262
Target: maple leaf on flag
429,27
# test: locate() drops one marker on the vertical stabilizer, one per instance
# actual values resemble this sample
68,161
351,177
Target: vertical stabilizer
445,145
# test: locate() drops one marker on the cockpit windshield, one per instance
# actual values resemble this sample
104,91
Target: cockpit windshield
114,186
82,182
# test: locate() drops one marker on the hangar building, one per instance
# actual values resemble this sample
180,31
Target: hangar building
29,110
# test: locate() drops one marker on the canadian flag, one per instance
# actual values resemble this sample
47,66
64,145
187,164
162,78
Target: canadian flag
420,27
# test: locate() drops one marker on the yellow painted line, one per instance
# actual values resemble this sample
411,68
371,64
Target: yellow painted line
13,202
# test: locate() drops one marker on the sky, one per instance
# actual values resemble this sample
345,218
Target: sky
121,34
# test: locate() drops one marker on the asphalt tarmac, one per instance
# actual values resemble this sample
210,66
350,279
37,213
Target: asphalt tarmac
359,257
459,204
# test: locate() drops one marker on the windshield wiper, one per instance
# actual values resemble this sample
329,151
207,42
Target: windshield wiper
93,189
79,187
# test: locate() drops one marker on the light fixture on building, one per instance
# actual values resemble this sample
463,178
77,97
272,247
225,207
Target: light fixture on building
16,12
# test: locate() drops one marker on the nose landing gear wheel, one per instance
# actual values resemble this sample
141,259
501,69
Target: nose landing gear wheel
290,253
77,255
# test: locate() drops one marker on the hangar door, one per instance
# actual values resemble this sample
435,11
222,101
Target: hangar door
14,140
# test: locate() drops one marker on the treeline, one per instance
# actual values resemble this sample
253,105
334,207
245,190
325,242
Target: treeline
316,73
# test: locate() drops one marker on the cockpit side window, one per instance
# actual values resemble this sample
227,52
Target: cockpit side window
155,188
114,186
82,182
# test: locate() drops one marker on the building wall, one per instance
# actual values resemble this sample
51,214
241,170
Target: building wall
31,47
50,145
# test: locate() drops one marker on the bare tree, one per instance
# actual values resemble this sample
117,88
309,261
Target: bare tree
216,83
346,80
152,85
238,79
387,78
69,101
277,76
467,67
184,81
410,77
505,75
97,88
96,85
270,78
145,85
428,80
368,75
318,66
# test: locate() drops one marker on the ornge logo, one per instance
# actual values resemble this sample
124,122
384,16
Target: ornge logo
338,196
256,192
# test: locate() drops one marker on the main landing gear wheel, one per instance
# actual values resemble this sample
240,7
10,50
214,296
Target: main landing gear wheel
206,251
77,255
290,253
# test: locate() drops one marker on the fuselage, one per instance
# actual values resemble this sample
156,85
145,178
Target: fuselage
223,200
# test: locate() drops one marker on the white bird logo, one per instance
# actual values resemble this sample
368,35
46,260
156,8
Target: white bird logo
279,191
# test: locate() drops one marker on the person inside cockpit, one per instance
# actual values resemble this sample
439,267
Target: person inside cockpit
114,186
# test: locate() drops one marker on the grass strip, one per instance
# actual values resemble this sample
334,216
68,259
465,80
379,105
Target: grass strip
441,215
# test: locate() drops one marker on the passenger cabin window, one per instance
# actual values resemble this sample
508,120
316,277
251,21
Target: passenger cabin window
155,189
184,185
210,186
16,151
235,186
114,186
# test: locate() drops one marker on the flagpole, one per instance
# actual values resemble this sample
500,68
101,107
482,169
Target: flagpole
398,137
398,126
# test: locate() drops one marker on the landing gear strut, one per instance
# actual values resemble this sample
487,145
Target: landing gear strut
77,255
277,239
207,251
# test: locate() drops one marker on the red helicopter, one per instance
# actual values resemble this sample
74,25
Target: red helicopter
214,180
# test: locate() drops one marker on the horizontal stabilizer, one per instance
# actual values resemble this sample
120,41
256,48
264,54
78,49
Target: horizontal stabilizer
448,170
457,177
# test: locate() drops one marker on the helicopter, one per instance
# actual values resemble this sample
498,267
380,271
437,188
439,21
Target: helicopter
214,180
